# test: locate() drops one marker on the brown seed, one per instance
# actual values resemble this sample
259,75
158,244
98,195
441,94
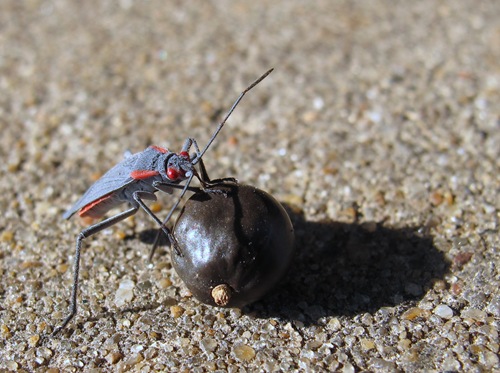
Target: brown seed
242,239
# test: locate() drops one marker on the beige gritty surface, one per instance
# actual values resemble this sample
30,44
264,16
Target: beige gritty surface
379,129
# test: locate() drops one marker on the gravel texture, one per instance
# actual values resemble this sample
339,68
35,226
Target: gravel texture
379,130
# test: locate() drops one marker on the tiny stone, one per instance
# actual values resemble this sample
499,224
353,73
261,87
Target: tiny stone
367,344
33,340
474,314
244,352
12,366
154,335
348,368
164,283
125,293
404,344
413,313
5,331
134,359
440,285
61,268
208,345
494,306
490,359
443,311
120,235
30,264
156,207
137,348
382,365
176,311
334,324
451,365
436,198
7,236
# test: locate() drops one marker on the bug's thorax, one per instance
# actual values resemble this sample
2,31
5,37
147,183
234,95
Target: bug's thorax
179,167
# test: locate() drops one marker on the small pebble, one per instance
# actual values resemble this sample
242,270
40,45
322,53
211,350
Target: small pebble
12,366
133,360
413,313
443,311
208,344
367,344
334,324
156,207
7,236
176,311
474,314
33,340
120,235
164,283
125,293
30,264
244,352
5,332
436,198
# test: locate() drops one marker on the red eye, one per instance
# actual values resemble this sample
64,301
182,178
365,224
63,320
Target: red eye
172,173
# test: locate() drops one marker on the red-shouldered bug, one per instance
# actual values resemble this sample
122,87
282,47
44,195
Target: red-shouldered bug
138,177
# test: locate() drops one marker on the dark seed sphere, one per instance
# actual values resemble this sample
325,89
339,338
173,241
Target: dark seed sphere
233,248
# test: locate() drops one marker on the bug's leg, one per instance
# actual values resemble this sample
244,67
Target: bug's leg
87,232
210,186
207,183
171,238
166,187
203,176
138,197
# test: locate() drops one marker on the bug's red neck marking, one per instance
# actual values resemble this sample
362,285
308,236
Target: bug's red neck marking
159,149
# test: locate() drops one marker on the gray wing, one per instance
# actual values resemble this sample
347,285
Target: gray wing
115,179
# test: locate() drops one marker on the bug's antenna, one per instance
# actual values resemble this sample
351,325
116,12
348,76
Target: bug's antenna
198,156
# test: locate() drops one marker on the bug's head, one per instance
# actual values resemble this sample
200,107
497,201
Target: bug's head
179,167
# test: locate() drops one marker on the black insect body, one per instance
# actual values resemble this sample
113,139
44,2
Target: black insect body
235,247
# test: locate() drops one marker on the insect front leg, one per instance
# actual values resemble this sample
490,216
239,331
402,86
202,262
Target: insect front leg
138,197
87,232
203,175
170,237
207,183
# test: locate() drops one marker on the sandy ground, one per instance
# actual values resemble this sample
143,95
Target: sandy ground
378,129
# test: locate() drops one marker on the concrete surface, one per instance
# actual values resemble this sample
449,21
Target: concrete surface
379,129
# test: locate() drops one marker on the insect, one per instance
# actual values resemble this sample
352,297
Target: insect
137,178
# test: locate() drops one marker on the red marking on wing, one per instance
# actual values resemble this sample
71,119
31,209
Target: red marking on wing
159,148
97,208
143,174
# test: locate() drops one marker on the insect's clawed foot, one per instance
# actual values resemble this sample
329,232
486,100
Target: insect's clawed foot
212,186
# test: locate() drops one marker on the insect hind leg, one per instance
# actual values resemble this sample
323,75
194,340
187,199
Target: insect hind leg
87,232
